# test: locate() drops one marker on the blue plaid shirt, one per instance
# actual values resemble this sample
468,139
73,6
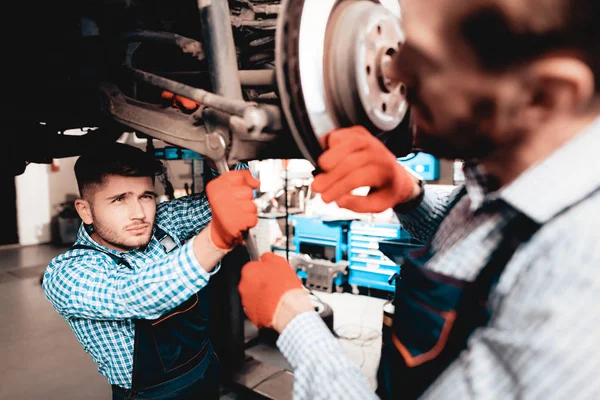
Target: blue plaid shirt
99,299
542,339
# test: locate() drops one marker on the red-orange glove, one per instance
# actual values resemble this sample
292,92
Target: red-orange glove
233,211
180,101
356,158
263,285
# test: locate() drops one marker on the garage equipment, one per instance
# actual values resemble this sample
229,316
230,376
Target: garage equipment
331,63
369,267
321,248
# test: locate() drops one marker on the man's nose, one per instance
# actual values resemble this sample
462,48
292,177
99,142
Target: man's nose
136,210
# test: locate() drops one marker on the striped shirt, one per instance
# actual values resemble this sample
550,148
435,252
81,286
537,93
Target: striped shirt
541,340
99,299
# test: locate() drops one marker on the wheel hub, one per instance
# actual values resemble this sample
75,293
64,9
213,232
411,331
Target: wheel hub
331,61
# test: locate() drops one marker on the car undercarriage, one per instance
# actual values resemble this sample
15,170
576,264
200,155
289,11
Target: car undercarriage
272,77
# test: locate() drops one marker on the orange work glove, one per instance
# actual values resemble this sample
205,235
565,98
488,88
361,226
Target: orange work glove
180,102
233,211
263,285
354,159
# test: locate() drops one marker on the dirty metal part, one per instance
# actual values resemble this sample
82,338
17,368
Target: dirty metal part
274,117
183,130
262,41
261,118
248,77
215,150
357,89
250,242
302,79
221,102
220,48
216,21
272,8
238,126
187,45
257,77
320,274
135,38
166,124
256,23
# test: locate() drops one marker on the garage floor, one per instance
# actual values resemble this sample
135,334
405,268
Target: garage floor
41,359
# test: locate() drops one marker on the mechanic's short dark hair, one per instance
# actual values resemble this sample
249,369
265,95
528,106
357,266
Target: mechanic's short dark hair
114,159
502,41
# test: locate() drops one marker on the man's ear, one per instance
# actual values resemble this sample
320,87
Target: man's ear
84,210
562,85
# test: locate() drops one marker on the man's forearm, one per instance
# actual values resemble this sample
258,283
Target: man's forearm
207,254
321,369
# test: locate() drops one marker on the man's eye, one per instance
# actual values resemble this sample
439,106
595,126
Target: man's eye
118,199
148,196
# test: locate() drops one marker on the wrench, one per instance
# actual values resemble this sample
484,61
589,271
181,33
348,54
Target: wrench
216,152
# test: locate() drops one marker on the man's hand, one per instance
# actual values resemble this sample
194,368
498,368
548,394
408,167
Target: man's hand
233,211
272,293
356,158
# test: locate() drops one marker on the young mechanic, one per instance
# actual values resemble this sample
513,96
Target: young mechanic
502,303
132,287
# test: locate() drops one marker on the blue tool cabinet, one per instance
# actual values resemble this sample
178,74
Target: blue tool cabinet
316,231
426,165
368,266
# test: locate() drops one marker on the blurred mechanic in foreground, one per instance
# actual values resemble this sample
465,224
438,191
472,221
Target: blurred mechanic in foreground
133,287
503,301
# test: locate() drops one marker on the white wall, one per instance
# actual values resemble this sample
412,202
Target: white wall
62,183
33,205
39,191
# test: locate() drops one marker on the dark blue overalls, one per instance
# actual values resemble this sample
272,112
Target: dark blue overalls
173,357
434,315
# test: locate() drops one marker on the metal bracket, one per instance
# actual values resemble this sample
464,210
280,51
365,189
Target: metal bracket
319,273
157,121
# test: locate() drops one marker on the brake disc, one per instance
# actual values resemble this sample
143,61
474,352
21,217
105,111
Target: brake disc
331,58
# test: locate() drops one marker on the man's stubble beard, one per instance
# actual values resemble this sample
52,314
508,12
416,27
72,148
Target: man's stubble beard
115,239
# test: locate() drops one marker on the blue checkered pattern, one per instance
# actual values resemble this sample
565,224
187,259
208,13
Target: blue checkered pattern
542,339
320,370
99,298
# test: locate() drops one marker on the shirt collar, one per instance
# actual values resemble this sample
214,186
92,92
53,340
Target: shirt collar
567,176
479,185
84,237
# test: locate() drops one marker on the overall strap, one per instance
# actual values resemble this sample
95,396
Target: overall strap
516,232
165,240
457,197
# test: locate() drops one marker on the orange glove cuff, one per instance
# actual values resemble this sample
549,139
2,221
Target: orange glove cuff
216,241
